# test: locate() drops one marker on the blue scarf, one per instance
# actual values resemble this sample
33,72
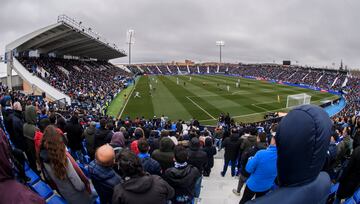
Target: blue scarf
142,155
180,165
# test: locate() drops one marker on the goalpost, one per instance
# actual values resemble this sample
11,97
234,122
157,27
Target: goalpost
297,99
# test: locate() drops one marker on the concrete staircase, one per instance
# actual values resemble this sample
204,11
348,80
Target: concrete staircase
217,189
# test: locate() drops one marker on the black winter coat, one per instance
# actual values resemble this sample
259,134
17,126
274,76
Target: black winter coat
182,180
232,147
350,180
197,158
17,136
101,137
74,134
146,189
210,152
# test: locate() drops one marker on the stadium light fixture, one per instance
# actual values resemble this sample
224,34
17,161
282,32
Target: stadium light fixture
221,44
130,40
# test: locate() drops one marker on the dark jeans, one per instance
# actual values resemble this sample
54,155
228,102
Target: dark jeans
242,180
249,194
226,164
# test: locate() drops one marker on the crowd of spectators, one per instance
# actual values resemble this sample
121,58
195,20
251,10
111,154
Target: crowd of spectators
91,85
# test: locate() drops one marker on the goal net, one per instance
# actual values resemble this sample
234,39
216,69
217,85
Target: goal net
297,99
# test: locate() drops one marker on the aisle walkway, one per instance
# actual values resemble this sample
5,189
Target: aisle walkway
217,189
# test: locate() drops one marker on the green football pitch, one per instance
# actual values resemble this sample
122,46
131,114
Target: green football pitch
205,97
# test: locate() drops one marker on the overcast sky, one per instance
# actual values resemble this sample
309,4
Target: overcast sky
312,32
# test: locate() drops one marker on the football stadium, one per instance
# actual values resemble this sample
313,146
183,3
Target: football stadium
263,115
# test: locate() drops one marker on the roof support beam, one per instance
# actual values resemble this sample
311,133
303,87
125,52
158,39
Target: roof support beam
72,42
49,38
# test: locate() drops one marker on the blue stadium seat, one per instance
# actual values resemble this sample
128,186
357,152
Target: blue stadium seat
56,199
87,159
84,169
33,176
349,201
43,189
357,196
97,201
26,166
334,188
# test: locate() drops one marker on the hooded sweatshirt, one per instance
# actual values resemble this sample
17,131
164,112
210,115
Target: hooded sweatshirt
302,140
30,121
147,189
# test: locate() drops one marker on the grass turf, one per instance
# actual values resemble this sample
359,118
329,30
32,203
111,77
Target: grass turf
204,97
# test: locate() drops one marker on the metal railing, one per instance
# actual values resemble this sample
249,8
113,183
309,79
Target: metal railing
78,25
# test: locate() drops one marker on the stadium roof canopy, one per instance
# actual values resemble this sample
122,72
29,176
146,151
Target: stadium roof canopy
67,37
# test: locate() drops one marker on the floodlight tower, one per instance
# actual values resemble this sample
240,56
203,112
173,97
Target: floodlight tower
130,41
220,43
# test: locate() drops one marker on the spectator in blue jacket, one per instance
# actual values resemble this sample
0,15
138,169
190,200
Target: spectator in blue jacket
302,140
149,164
262,170
102,174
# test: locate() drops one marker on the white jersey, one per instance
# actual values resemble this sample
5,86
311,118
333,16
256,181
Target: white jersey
228,88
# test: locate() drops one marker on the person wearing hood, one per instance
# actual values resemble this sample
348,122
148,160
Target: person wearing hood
250,152
262,170
118,140
11,191
302,139
89,135
102,174
182,177
232,146
197,158
61,170
138,186
165,154
29,130
149,164
74,133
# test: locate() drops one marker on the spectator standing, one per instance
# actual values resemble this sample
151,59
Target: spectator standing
74,133
302,138
262,170
61,169
101,134
102,174
232,147
149,164
29,134
250,152
165,154
182,177
138,186
197,158
89,135
210,151
350,180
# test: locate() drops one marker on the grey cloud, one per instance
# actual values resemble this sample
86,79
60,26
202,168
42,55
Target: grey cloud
316,32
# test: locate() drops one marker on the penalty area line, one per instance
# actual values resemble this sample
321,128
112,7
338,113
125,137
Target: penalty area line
207,113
